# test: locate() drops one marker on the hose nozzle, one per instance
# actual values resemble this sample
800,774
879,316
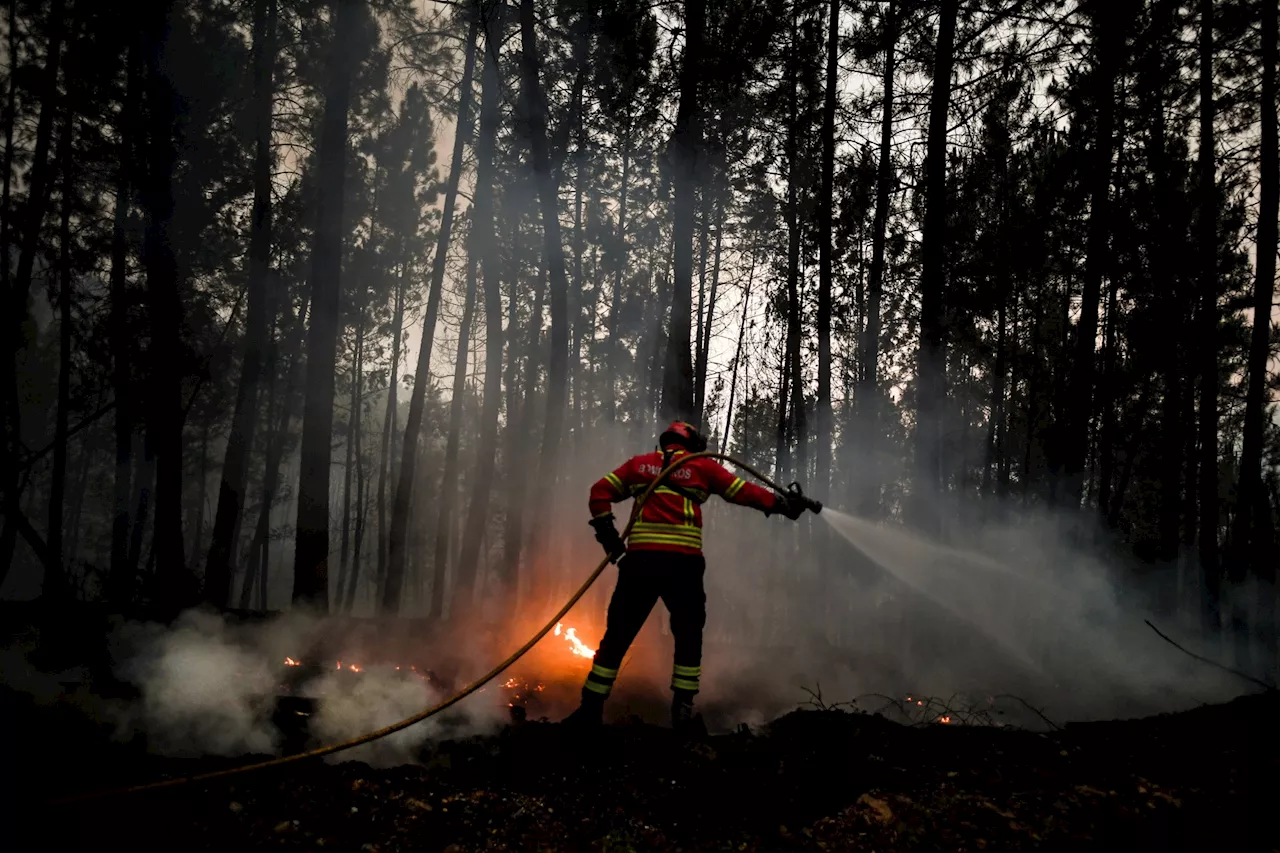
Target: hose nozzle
795,493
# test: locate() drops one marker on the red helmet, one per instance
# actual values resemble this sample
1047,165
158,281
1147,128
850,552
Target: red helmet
684,434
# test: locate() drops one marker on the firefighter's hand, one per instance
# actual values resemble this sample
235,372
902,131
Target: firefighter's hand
788,506
607,536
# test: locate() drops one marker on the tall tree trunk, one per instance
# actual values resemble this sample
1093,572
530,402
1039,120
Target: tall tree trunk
677,376
218,567
9,392
1106,451
344,546
791,395
931,389
1251,526
311,544
388,421
55,579
1174,310
1208,336
449,480
10,118
613,365
516,450
481,246
1109,39
825,252
704,353
176,586
202,489
704,251
868,386
351,575
737,355
274,457
16,296
557,364
390,603
120,579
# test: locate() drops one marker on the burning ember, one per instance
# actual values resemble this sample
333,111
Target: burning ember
288,661
578,647
945,719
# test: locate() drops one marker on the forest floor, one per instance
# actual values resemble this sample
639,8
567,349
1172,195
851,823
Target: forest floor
1205,779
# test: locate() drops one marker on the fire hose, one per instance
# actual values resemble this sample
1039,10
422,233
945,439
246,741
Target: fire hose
793,492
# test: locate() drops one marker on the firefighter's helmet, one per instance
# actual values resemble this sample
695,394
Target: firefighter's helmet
684,434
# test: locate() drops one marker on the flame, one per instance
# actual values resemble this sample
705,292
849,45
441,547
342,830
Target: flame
945,719
339,666
354,668
576,645
288,661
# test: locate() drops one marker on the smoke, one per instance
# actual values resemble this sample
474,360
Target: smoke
206,686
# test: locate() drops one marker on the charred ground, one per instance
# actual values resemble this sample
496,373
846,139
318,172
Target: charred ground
814,779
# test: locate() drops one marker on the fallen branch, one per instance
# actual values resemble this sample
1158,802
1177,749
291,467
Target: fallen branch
1268,687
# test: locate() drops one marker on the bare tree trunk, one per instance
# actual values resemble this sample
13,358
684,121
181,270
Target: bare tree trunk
352,576
10,118
226,525
311,548
481,247
704,337
422,377
449,481
553,257
868,402
932,380
677,377
176,586
388,422
18,292
344,548
825,253
1110,43
274,455
613,362
1252,528
522,448
202,490
704,251
737,355
120,579
55,578
1208,332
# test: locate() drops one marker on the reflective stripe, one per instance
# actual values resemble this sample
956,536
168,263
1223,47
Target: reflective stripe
597,687
663,490
605,514
688,511
615,482
684,684
687,671
666,534
734,487
602,672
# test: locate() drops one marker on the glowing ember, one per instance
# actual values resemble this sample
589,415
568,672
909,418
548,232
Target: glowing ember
353,668
576,645
945,719
288,661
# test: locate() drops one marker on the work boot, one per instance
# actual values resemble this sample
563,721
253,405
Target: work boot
683,721
590,714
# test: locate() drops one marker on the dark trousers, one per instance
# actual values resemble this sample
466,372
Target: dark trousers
643,578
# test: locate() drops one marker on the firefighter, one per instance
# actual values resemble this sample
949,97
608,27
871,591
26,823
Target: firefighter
663,560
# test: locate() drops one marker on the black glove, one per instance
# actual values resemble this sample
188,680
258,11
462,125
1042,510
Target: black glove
607,536
785,504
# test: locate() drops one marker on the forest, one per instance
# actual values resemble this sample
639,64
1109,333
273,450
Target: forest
343,305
